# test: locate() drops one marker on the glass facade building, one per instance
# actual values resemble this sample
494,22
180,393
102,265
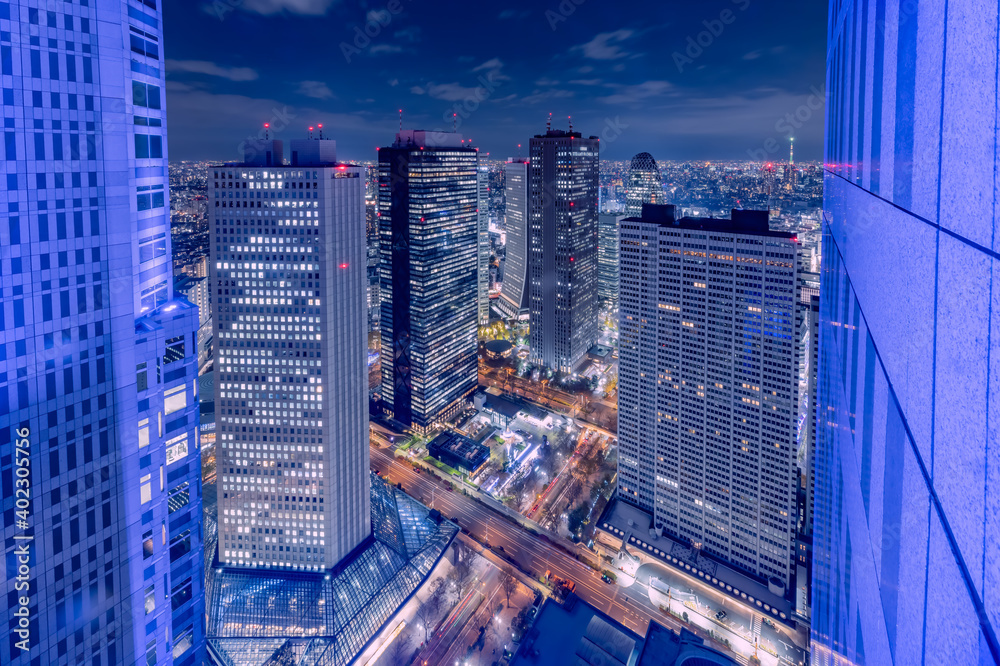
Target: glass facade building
562,248
644,185
483,245
262,618
607,261
514,293
428,239
906,550
98,360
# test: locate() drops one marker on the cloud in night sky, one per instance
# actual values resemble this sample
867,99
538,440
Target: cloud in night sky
501,70
315,89
267,7
211,69
605,46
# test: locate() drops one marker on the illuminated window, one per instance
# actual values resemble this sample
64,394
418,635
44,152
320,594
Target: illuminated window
145,489
174,399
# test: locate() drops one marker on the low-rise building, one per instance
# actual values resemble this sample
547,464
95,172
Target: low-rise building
459,452
577,633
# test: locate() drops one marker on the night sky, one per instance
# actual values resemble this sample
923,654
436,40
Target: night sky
683,80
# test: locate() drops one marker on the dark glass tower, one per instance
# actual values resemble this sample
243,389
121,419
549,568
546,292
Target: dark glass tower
514,294
98,360
562,261
428,237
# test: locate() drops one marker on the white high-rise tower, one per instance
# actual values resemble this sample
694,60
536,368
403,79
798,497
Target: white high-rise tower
289,270
708,383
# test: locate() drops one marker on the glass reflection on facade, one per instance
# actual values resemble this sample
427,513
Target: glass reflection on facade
514,294
428,239
607,260
906,551
98,360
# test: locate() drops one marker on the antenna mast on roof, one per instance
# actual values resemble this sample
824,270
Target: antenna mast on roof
320,130
548,124
267,131
400,120
570,124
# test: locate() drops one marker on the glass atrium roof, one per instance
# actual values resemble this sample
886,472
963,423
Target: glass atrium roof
327,618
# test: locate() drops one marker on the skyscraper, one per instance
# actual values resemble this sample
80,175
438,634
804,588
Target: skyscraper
289,269
514,293
708,383
428,230
98,360
644,185
562,255
607,261
483,245
906,551
316,553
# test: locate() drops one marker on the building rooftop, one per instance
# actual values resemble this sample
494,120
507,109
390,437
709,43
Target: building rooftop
577,633
510,406
624,521
431,139
459,447
664,647
498,346
753,222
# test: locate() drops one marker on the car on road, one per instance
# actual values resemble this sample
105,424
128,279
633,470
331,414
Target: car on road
767,623
720,616
607,579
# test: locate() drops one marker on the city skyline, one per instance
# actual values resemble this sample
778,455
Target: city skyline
316,377
607,68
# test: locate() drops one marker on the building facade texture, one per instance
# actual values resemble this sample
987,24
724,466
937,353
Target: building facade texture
562,248
98,361
644,184
607,261
288,263
428,231
483,247
514,292
708,383
906,550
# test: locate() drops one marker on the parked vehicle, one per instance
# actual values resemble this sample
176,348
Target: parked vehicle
720,616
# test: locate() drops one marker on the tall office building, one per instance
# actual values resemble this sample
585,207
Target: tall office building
288,265
98,368
644,184
906,551
483,245
428,230
708,383
562,250
514,291
607,261
315,553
